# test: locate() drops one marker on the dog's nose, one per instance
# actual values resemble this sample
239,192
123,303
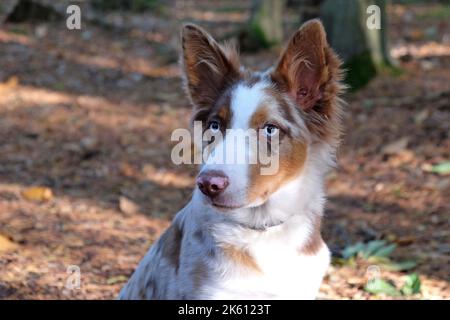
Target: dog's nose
212,183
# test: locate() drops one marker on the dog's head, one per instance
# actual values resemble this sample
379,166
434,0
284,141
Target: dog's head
290,108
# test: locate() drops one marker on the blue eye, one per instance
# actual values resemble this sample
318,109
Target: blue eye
270,130
214,126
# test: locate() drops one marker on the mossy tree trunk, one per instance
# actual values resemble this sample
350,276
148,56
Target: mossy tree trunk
34,11
363,49
265,28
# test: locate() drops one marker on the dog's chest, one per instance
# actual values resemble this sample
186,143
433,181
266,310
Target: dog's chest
280,275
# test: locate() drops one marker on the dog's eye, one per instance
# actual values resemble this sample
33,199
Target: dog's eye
270,130
214,126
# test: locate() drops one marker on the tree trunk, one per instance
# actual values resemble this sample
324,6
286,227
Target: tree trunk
34,11
363,49
265,28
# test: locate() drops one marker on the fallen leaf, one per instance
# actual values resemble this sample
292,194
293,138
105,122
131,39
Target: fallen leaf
412,284
400,266
6,244
421,116
396,146
380,286
402,157
127,206
9,84
37,194
442,168
372,247
117,279
406,240
385,251
416,34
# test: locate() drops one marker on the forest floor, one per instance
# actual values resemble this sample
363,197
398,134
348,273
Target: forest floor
86,118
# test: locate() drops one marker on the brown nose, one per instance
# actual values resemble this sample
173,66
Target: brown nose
212,183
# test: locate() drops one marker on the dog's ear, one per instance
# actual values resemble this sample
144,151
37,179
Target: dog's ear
306,65
208,67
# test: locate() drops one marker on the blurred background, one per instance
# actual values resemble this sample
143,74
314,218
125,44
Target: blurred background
86,116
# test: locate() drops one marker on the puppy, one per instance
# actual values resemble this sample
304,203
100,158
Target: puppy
244,234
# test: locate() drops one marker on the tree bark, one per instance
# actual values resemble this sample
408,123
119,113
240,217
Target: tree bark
265,28
34,11
364,50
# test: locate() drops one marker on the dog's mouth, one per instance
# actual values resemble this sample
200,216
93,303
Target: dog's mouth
225,207
226,204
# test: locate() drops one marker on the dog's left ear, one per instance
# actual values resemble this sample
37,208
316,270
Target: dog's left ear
307,65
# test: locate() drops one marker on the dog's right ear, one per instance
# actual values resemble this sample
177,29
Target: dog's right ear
208,68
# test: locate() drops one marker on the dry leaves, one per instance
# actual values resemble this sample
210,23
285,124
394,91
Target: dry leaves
127,206
396,146
37,194
97,129
6,244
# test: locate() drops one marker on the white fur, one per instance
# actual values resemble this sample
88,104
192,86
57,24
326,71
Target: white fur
244,103
285,272
286,275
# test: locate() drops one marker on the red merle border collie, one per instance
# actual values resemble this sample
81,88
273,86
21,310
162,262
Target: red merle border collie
245,235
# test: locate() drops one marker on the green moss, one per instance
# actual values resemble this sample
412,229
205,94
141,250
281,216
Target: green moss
257,36
231,8
18,30
360,70
131,5
392,70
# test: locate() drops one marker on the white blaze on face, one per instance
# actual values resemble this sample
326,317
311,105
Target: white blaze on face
228,155
244,103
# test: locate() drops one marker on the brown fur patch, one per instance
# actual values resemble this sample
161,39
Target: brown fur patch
259,117
292,159
223,111
309,71
220,110
291,156
315,241
250,78
286,109
241,258
225,114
